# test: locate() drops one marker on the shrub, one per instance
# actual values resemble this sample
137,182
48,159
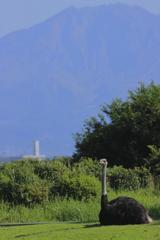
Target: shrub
144,176
121,178
78,186
31,194
5,188
31,181
19,184
66,160
50,170
89,167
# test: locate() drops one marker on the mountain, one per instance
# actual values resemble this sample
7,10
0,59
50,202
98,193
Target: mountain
57,73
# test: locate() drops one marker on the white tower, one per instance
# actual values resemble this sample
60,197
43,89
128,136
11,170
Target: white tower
36,148
36,154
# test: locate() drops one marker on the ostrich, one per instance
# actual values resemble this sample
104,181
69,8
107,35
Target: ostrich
122,210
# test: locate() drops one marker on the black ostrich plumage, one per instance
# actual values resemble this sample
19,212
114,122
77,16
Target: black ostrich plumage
122,210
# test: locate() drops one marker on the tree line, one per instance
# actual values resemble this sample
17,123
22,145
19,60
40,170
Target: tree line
131,137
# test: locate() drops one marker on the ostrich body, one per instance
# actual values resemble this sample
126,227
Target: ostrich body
122,210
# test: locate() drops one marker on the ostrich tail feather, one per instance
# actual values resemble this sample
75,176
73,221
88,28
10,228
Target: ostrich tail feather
149,219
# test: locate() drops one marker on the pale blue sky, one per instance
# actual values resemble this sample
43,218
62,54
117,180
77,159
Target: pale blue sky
20,14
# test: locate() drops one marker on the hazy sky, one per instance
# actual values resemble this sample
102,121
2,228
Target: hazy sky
20,14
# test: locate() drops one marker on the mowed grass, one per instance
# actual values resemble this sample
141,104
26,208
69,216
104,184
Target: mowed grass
82,231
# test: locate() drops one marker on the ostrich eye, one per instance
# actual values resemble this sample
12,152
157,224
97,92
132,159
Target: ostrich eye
103,161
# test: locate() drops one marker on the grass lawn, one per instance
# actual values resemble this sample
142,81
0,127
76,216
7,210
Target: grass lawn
82,231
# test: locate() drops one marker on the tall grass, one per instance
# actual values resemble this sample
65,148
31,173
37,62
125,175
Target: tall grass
64,209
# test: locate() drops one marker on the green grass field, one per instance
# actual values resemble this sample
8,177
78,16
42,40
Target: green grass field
63,209
82,231
86,213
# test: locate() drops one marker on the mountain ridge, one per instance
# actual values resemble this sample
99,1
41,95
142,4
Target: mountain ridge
56,74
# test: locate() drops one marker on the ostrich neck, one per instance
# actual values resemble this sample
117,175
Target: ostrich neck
104,191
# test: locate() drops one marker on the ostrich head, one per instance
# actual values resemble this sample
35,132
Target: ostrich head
104,165
103,161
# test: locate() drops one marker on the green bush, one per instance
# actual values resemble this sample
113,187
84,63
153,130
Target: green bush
121,178
31,181
50,170
144,176
19,184
133,179
31,194
5,188
78,186
89,167
66,160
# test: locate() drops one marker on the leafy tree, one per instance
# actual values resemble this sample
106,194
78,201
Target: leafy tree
90,143
153,160
134,124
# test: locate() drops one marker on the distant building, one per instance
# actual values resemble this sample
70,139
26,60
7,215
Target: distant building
19,157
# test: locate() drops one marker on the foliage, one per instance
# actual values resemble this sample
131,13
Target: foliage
78,186
88,166
50,170
134,124
69,209
19,184
153,160
66,160
31,181
131,179
144,176
91,143
121,178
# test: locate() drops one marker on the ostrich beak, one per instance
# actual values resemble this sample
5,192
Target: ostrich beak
103,161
